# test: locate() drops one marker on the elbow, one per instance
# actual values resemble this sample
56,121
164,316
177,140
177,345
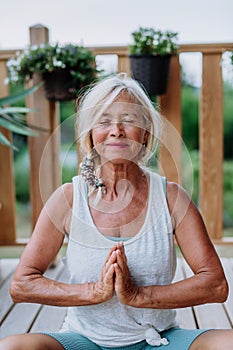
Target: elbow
221,292
18,292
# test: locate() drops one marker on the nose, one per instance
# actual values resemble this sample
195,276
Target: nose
117,130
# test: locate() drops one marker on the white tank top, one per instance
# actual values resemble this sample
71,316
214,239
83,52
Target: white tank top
151,259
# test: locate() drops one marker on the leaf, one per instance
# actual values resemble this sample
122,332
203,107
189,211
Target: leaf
4,141
15,127
15,110
18,97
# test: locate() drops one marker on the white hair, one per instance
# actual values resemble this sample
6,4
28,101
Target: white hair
94,102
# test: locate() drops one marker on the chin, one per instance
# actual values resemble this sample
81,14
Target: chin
119,160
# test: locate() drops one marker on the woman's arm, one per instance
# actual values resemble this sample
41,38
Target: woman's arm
29,284
208,283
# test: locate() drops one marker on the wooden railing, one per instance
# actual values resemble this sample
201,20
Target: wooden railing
44,150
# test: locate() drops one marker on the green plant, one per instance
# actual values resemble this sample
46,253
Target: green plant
148,41
48,58
13,118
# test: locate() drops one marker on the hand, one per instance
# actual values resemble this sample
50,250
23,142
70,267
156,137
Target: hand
104,288
125,289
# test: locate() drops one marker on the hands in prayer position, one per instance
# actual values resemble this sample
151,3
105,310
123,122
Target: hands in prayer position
115,277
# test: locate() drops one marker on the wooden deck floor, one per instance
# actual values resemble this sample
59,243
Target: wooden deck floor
21,318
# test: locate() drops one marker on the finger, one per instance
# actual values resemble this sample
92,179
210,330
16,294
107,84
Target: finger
110,273
109,279
110,253
119,281
121,260
106,265
112,259
121,248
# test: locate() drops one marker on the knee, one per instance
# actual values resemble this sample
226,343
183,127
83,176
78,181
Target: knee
9,343
214,340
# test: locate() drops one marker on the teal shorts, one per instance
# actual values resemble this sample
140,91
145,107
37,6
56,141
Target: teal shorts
179,339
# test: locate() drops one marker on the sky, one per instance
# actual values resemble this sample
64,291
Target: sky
108,22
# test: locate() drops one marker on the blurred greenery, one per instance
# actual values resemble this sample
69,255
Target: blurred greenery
190,121
190,111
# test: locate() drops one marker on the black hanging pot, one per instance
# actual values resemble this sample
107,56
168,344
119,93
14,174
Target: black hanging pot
59,85
151,71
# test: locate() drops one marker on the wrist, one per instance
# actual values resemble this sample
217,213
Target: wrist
96,294
141,299
93,295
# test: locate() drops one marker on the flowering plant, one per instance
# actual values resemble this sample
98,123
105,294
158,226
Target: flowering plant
148,41
47,58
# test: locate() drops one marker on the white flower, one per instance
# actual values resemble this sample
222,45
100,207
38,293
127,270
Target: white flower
34,47
57,63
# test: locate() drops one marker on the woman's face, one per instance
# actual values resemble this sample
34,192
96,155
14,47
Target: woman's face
120,131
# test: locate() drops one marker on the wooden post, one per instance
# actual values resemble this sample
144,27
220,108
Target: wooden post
170,108
123,64
7,185
44,149
211,144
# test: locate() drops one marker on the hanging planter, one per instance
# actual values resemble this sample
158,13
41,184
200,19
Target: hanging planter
64,69
59,85
152,72
150,56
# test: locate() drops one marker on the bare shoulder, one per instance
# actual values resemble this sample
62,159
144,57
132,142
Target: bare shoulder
179,201
188,223
58,207
67,192
63,194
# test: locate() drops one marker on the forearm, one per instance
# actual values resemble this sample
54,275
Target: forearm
195,290
45,291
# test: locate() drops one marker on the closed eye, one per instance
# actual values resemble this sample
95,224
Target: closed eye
104,122
128,121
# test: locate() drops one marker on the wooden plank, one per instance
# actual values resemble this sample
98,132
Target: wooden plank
171,142
6,301
43,149
13,322
7,267
211,145
212,316
7,185
124,64
209,315
228,268
20,319
50,319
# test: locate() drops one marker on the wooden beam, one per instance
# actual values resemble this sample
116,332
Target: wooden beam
170,108
7,184
44,149
211,145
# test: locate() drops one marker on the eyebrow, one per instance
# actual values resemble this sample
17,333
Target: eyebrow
122,114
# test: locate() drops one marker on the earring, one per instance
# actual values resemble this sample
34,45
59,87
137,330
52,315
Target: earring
88,173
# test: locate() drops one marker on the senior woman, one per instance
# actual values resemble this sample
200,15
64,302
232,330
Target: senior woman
121,220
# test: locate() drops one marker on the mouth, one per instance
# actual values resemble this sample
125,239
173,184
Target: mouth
118,145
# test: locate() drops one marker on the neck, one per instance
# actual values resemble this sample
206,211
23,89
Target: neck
118,177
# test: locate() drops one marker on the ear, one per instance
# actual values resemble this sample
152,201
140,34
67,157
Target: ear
145,137
91,140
